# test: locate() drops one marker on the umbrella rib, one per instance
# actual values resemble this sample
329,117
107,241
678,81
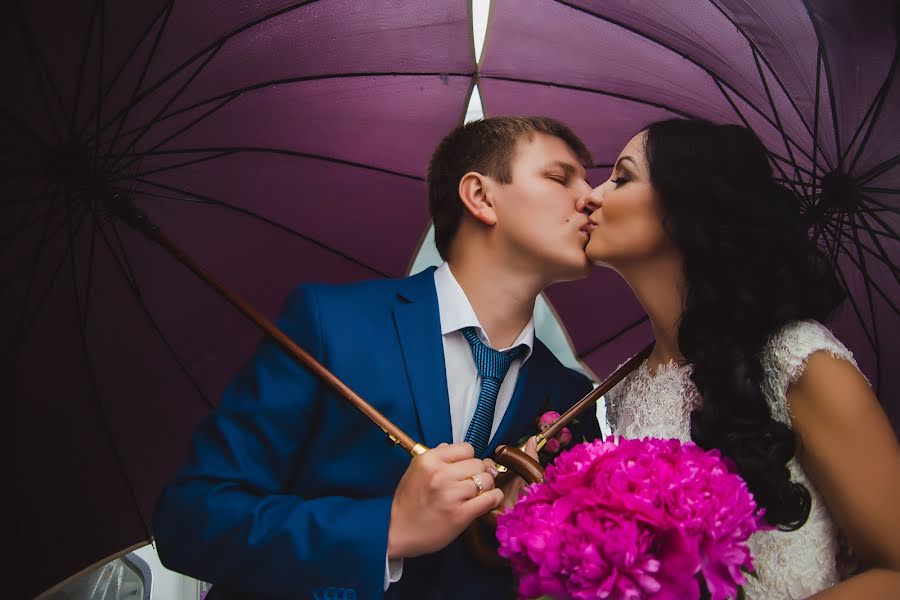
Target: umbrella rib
25,223
23,126
95,111
136,290
122,115
879,169
774,154
140,155
100,98
246,212
892,192
36,254
816,111
746,123
171,167
780,127
232,94
25,324
228,150
149,124
613,337
107,428
756,50
888,230
831,91
215,44
869,283
79,80
860,264
579,88
92,252
880,254
671,49
42,71
879,100
849,296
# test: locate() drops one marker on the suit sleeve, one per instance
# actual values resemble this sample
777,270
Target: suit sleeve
227,517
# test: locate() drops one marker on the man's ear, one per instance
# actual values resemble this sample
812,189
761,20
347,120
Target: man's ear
475,193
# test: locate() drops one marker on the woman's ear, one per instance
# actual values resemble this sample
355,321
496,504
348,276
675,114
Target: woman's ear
475,193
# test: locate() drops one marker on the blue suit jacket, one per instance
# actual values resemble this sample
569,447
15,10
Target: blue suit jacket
288,489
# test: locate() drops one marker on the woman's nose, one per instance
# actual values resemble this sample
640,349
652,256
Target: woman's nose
591,201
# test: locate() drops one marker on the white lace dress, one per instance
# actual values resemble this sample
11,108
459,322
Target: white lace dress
789,564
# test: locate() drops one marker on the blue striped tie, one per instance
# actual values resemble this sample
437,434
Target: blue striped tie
492,367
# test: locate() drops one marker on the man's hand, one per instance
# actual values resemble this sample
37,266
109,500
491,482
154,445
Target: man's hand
437,498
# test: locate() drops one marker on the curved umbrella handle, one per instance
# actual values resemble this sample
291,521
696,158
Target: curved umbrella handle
480,536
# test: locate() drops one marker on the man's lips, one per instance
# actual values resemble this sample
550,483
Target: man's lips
588,227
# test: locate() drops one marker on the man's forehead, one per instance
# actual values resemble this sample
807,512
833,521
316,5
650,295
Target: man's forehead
549,152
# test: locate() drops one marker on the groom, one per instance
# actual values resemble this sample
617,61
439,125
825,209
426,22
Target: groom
289,492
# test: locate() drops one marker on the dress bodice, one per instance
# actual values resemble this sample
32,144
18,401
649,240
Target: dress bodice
792,564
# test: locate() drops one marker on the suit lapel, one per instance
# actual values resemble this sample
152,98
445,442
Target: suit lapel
528,397
418,325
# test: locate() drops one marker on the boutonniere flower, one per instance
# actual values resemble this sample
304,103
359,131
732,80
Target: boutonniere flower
554,445
561,440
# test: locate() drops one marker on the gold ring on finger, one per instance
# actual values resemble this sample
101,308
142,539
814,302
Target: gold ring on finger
477,481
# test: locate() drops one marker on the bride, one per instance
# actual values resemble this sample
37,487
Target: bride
717,255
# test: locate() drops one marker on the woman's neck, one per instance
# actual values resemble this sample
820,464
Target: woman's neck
659,286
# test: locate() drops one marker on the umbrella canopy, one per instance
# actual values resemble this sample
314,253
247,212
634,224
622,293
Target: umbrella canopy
274,141
816,79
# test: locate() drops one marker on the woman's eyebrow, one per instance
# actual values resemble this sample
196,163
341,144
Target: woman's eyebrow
624,158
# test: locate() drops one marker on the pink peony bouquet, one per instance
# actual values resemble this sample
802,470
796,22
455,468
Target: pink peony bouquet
632,519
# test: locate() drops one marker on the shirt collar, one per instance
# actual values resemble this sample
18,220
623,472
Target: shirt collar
456,311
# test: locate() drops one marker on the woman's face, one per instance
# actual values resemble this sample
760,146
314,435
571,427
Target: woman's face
626,214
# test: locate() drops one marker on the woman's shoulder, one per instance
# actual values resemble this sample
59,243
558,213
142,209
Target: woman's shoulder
787,353
794,343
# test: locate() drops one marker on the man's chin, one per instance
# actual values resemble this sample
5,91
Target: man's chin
577,271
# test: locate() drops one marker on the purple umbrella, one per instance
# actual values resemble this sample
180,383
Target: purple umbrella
274,141
816,79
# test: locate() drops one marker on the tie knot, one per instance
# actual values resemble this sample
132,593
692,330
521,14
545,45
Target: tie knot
491,364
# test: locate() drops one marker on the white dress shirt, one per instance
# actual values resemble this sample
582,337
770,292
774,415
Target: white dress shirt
463,381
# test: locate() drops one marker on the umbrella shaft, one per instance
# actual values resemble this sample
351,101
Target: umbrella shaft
394,433
591,398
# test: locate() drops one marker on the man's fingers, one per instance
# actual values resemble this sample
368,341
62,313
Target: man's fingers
482,504
453,452
464,468
467,489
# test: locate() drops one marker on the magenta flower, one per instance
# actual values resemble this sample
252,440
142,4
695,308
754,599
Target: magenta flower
632,519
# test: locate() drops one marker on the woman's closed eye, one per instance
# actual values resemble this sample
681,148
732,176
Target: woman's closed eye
620,180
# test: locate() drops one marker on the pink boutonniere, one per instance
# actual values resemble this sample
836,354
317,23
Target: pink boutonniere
561,440
554,445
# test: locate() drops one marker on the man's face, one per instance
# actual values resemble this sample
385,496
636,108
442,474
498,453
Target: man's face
536,213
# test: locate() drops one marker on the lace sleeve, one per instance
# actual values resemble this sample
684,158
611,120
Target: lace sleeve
785,359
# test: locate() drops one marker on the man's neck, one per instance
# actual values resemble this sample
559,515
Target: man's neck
502,298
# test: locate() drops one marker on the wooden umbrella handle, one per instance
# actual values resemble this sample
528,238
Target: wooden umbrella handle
129,213
480,536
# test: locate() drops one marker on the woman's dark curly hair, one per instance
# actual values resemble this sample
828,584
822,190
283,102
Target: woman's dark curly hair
750,268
